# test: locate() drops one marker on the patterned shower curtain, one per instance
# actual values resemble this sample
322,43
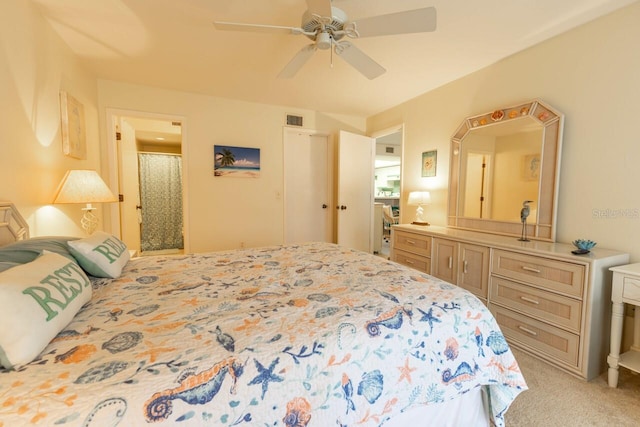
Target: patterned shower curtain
161,201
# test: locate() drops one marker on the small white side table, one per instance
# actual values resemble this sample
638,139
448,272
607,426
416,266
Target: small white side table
626,289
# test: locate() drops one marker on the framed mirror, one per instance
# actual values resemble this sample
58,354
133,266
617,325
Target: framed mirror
501,159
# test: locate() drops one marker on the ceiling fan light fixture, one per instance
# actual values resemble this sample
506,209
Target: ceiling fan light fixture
327,26
323,40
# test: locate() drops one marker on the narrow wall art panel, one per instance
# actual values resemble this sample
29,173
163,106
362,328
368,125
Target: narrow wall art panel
74,142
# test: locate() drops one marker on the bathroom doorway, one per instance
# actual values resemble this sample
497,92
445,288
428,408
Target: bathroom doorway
150,177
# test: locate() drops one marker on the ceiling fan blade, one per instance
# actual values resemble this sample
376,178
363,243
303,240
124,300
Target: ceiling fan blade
297,62
257,28
359,60
320,7
410,21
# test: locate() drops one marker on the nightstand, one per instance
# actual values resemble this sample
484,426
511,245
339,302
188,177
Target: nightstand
626,289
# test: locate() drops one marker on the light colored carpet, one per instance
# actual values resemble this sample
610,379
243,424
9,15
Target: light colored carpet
556,398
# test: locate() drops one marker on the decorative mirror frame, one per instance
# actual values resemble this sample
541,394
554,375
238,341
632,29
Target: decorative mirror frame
544,227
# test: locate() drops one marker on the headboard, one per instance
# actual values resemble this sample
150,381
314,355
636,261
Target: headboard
13,227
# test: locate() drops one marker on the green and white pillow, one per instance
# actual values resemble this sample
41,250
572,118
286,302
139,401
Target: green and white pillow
101,254
37,301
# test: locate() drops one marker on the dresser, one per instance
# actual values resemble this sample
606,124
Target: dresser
548,302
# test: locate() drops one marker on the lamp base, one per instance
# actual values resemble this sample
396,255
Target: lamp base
89,221
420,223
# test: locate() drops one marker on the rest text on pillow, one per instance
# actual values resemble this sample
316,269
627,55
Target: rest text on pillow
66,283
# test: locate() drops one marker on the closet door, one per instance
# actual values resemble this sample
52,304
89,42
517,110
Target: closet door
307,187
354,207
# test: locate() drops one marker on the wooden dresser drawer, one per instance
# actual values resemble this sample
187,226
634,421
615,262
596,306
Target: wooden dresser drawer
411,242
557,276
546,339
557,309
412,260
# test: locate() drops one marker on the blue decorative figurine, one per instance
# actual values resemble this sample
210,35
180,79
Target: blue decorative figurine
524,213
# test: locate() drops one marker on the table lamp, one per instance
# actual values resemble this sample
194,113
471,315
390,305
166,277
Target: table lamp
419,198
84,186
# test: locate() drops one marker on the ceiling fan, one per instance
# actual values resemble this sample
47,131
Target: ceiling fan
327,26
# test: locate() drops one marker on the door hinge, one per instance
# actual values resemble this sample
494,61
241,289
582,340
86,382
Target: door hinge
121,197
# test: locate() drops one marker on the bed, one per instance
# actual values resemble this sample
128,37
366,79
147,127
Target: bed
294,335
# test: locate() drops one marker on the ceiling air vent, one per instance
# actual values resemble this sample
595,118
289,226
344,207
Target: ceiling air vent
294,120
388,150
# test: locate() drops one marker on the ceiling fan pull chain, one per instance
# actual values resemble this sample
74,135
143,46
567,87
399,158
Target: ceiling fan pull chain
331,56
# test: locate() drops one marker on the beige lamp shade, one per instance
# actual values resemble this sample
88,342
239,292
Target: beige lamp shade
84,186
419,198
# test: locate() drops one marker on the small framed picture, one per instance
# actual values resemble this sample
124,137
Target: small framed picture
429,163
238,162
531,167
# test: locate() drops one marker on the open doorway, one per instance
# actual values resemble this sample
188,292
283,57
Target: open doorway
149,156
388,164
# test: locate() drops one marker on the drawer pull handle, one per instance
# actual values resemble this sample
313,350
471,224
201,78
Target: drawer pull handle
411,242
529,331
531,300
531,269
408,261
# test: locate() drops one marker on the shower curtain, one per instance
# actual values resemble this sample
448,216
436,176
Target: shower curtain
161,201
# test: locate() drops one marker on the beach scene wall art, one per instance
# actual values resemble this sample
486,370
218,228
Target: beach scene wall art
240,162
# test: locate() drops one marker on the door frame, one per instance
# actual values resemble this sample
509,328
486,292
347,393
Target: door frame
113,166
389,131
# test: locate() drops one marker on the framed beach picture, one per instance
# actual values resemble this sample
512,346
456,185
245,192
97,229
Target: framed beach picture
74,139
239,162
429,163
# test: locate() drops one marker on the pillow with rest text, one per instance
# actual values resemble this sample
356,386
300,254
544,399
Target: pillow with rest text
101,254
37,301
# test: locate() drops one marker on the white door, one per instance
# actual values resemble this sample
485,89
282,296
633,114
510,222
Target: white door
356,156
307,187
129,185
133,133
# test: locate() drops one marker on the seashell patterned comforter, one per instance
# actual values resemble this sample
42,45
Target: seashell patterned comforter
299,335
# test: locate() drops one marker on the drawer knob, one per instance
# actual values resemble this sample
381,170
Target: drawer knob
531,269
527,330
531,300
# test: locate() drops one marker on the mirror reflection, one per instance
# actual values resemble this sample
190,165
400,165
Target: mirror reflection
500,167
500,159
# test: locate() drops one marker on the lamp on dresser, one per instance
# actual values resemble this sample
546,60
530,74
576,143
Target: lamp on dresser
419,198
84,186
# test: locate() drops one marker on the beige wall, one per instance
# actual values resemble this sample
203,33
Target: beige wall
223,213
35,65
591,74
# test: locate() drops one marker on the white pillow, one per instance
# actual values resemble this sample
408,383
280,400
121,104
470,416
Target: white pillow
101,254
38,300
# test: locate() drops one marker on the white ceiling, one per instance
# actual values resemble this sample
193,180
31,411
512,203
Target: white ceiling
173,44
